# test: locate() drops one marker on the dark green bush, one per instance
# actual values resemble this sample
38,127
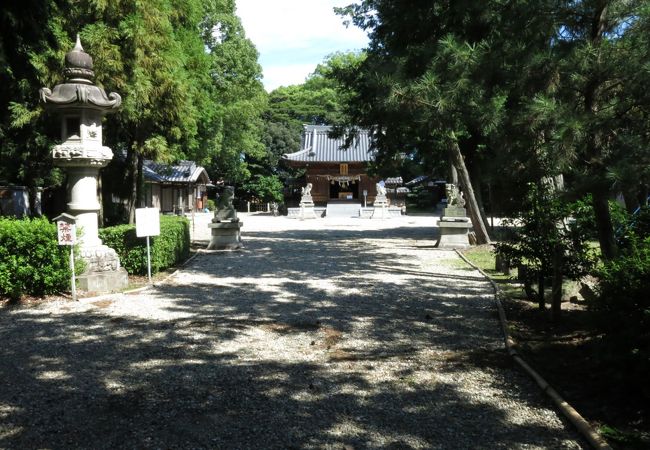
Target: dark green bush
31,261
623,309
541,229
167,249
636,228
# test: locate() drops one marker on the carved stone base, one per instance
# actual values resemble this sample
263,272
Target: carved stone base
454,234
114,280
100,258
103,272
225,236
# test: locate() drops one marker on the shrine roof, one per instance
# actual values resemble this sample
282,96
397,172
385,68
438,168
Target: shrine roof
181,172
318,146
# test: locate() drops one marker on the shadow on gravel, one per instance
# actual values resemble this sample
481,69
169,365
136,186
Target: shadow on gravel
91,380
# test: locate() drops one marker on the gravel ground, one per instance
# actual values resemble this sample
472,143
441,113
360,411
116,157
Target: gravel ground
342,334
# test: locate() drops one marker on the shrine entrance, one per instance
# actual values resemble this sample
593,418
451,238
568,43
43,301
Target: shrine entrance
344,188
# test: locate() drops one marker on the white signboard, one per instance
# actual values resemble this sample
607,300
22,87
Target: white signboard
67,233
147,222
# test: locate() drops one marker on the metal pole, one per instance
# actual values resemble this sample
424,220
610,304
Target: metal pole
148,260
73,286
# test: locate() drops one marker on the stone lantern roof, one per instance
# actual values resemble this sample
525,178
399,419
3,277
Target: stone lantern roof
78,91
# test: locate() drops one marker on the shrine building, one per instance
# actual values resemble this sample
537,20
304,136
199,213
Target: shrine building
337,174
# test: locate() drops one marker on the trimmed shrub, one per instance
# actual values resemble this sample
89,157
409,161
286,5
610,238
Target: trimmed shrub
167,249
31,261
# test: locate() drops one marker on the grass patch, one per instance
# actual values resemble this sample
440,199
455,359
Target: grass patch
454,263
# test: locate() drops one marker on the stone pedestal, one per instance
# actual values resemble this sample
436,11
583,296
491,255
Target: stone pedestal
454,228
225,236
307,208
380,205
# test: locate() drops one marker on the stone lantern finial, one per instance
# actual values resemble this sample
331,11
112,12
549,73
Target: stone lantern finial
78,64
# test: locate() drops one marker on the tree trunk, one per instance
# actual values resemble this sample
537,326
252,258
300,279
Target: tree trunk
556,301
34,204
541,300
631,200
478,222
140,184
132,161
642,195
453,174
100,197
477,180
604,225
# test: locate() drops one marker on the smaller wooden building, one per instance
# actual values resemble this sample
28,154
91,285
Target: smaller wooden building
337,173
177,188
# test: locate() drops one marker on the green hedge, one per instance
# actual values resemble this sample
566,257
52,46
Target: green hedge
31,261
171,247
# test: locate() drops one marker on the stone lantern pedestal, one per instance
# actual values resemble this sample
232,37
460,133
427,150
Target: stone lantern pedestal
82,105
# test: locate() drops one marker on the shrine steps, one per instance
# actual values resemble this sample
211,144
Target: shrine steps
342,209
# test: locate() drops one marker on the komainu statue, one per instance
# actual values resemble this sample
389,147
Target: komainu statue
454,196
225,210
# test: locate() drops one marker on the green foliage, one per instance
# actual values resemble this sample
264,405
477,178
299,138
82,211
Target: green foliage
421,197
623,309
187,74
211,205
265,188
31,261
539,229
634,228
527,88
170,247
319,100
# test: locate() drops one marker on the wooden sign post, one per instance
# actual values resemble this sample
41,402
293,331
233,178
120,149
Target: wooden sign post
67,233
147,223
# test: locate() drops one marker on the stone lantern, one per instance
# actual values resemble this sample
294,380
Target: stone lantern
81,105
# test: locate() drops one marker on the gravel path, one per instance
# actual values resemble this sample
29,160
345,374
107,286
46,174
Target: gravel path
344,334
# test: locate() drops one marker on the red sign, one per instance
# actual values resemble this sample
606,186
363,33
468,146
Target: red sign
67,233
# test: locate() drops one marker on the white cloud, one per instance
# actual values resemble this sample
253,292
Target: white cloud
286,75
293,35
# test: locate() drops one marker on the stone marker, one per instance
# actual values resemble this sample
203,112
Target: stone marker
82,105
225,226
454,223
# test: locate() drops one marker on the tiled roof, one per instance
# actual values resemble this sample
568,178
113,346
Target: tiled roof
181,172
418,180
317,146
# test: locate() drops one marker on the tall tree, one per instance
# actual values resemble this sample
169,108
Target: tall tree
238,96
417,86
600,58
29,59
535,88
189,79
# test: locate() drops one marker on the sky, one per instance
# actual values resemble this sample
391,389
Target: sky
293,36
